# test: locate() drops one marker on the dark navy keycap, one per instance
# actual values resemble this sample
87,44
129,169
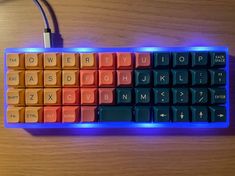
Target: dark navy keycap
161,59
124,95
218,95
218,77
180,59
199,113
161,77
142,95
199,77
180,77
142,78
180,95
218,113
199,59
161,95
161,114
142,114
218,59
199,95
115,113
180,113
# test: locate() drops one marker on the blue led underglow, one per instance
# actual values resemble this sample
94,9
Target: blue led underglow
119,124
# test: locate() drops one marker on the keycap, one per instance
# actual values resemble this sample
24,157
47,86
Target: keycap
218,113
161,95
15,60
199,59
180,77
34,97
52,78
218,95
180,95
34,78
142,78
218,59
15,114
16,97
180,114
124,78
70,114
15,78
142,60
142,114
124,95
34,60
88,78
115,113
70,61
199,95
161,114
161,77
106,96
52,114
33,114
52,61
107,61
218,77
142,96
124,60
52,96
88,61
70,78
70,96
199,114
107,78
89,96
180,59
161,59
199,77
88,114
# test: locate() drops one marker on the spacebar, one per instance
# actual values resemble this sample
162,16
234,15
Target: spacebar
115,113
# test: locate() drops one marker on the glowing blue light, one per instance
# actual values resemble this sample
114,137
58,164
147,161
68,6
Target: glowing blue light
119,124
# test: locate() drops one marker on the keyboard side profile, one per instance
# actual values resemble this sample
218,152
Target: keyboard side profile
145,87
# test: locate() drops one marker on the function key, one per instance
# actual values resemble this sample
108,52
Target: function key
16,97
180,114
33,60
161,114
15,114
218,59
218,113
199,113
52,61
124,61
161,59
88,61
107,61
218,95
142,60
199,77
180,77
199,59
15,60
15,78
180,59
218,77
70,61
33,114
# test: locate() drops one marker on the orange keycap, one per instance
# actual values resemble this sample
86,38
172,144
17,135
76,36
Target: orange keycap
106,96
70,61
70,114
70,96
33,114
52,114
88,113
106,78
15,114
107,61
15,78
52,60
124,61
88,78
33,60
70,78
124,77
15,60
143,60
88,96
88,61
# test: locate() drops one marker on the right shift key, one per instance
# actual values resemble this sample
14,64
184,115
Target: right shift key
218,59
115,113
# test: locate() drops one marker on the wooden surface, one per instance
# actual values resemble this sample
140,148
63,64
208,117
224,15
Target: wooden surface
110,23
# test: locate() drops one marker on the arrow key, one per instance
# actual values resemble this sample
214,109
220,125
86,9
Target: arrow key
180,114
218,113
161,114
199,114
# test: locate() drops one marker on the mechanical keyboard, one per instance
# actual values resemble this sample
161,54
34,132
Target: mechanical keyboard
146,87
